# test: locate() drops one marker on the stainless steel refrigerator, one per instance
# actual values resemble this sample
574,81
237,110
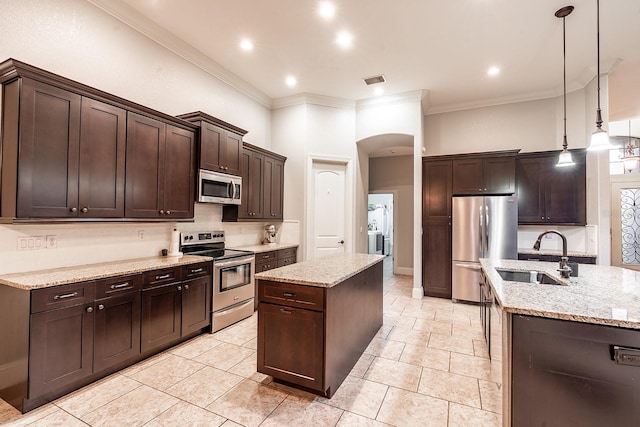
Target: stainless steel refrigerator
482,227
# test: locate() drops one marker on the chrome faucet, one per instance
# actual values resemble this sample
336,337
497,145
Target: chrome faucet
564,269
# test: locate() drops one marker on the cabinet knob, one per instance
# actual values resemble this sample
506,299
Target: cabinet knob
226,168
548,219
161,211
186,287
179,288
89,309
542,217
73,210
221,167
84,210
168,212
101,307
485,189
479,189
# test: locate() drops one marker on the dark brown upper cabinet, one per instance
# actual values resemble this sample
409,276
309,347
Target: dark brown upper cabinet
160,172
65,146
548,194
262,196
219,142
486,173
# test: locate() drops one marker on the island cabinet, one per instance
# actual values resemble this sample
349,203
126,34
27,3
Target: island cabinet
64,337
436,227
219,143
73,153
548,194
262,195
574,374
490,173
310,336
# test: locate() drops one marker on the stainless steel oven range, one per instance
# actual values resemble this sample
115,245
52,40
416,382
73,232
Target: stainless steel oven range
233,281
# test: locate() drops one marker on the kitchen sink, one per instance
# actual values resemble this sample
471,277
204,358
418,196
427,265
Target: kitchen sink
525,277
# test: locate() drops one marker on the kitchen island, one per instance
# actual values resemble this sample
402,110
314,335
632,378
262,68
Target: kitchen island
316,318
567,353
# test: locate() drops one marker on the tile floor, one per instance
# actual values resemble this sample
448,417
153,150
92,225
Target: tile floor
427,366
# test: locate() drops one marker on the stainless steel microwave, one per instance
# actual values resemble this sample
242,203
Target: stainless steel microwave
214,187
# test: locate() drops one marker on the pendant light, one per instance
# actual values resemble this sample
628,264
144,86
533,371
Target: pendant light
599,137
629,160
564,159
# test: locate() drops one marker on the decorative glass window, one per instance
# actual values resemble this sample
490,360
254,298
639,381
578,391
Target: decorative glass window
630,208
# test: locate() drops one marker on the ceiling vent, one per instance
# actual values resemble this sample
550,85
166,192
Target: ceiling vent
374,80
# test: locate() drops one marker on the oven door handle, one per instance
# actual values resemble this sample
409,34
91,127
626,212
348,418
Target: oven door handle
237,261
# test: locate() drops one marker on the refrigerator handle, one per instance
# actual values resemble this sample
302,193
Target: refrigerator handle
481,218
486,232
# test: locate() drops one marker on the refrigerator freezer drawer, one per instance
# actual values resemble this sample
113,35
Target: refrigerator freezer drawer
465,278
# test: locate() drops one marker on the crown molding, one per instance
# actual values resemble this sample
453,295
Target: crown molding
313,99
153,31
413,96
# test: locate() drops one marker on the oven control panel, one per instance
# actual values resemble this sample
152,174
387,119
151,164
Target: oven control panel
201,237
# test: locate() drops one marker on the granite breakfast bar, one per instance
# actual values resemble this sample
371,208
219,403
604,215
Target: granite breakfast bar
565,353
316,318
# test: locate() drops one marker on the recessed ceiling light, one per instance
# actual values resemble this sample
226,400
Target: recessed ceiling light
493,71
344,39
379,91
246,45
326,9
291,81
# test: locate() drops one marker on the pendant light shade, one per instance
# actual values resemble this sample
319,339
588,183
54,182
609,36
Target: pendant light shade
600,137
564,160
629,160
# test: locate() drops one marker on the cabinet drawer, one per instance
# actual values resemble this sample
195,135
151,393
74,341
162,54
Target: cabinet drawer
309,297
62,296
118,285
264,266
266,256
197,270
286,261
287,253
159,277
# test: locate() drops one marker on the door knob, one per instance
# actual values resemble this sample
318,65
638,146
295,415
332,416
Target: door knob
341,242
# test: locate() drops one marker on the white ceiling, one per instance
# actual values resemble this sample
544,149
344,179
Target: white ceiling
441,46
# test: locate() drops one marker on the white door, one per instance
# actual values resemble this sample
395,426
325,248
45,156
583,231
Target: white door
328,212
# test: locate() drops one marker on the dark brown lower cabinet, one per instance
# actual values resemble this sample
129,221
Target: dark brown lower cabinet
161,314
287,328
311,336
61,348
60,338
196,304
116,330
436,258
566,374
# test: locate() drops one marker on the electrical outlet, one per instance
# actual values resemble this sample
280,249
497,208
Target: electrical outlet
31,243
52,241
140,234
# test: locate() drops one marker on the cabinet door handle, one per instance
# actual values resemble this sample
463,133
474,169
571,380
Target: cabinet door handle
89,309
101,307
63,296
120,286
84,210
265,256
283,311
164,276
289,294
196,270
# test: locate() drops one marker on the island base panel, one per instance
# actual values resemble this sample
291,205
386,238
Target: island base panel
564,373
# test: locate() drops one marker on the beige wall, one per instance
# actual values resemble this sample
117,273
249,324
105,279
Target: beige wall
395,174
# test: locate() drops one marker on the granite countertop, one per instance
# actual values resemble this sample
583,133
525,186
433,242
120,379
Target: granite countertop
266,248
61,276
530,251
323,272
600,294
